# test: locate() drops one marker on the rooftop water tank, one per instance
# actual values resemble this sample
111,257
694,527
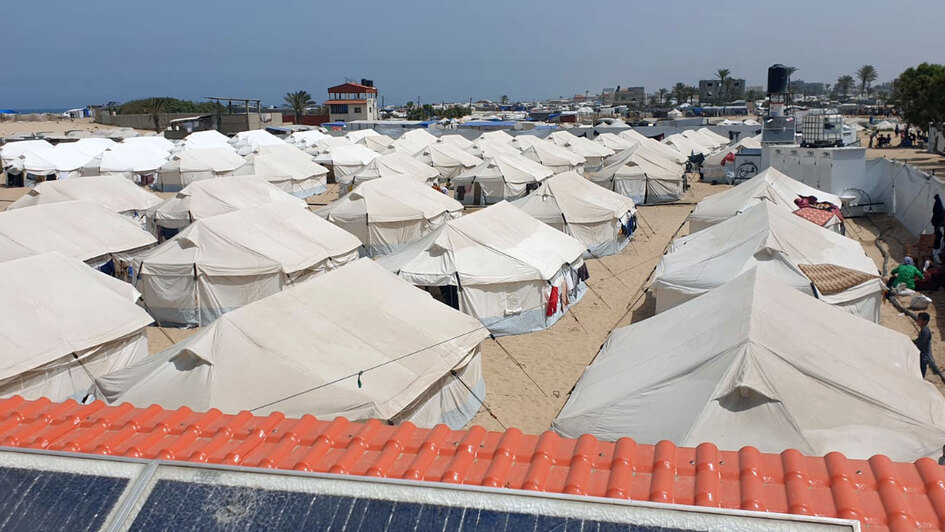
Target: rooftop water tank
777,79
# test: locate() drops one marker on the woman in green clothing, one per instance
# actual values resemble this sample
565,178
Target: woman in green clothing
906,273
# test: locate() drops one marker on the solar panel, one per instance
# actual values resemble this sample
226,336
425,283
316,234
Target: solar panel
82,492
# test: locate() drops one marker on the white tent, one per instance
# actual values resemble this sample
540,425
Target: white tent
357,135
594,153
774,240
512,272
497,136
705,137
615,142
192,165
247,142
885,125
667,152
62,161
714,166
456,139
484,148
53,309
641,175
675,113
506,176
764,366
389,213
115,193
356,342
132,161
449,159
306,138
213,197
602,220
686,146
155,142
378,143
710,135
347,159
414,141
391,164
11,151
769,185
95,146
223,262
79,229
558,158
207,139
290,169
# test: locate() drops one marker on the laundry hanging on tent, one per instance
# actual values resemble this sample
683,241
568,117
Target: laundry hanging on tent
552,302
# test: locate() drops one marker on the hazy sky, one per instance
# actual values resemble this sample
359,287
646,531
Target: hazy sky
67,53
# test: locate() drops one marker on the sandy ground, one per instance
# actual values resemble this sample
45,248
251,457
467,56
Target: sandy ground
62,125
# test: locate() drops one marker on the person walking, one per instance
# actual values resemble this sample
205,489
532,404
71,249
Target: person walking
924,344
938,221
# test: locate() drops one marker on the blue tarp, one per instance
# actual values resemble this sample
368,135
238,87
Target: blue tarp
7,112
487,123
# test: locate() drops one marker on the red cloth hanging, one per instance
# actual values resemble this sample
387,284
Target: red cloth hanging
552,302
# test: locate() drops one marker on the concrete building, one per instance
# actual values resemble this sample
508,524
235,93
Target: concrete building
710,90
352,101
630,96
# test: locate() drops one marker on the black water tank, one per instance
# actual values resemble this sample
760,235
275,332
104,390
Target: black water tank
367,82
777,78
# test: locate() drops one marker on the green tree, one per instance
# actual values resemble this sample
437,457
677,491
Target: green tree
844,84
723,74
662,95
867,75
171,105
680,92
298,101
920,94
504,99
155,107
692,91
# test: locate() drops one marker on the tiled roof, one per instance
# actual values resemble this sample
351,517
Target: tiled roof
883,495
352,87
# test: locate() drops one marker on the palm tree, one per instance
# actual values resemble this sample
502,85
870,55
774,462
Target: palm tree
298,101
691,92
662,93
504,99
679,92
723,75
867,75
844,84
155,107
790,72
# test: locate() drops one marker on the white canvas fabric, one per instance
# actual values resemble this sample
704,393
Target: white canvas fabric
710,135
223,262
391,164
641,174
449,159
770,185
685,146
52,307
767,367
192,165
132,160
306,138
503,263
350,159
500,137
207,139
250,141
414,141
290,169
115,193
505,176
557,158
213,197
458,140
65,161
358,135
772,239
156,142
301,351
391,212
589,213
594,153
81,230
11,151
615,142
378,143
485,148
747,142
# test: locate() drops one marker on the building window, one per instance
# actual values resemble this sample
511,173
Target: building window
337,109
357,110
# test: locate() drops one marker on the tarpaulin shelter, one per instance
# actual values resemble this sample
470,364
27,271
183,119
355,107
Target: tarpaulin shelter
387,165
505,176
642,175
192,165
290,169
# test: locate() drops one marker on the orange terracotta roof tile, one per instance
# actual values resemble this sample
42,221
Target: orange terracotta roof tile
881,494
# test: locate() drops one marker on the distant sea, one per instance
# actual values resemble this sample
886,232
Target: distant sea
56,110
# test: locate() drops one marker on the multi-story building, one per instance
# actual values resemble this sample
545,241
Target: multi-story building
352,101
630,96
710,90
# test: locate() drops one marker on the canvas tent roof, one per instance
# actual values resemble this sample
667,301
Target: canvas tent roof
59,158
885,125
252,241
766,367
306,138
635,161
79,229
351,155
745,143
576,199
507,167
498,244
391,199
357,135
614,142
154,141
115,193
667,151
686,146
448,156
770,185
11,151
459,140
548,153
300,351
580,145
212,197
497,136
390,164
769,238
52,306
378,143
132,158
207,139
217,160
485,148
254,139
414,141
